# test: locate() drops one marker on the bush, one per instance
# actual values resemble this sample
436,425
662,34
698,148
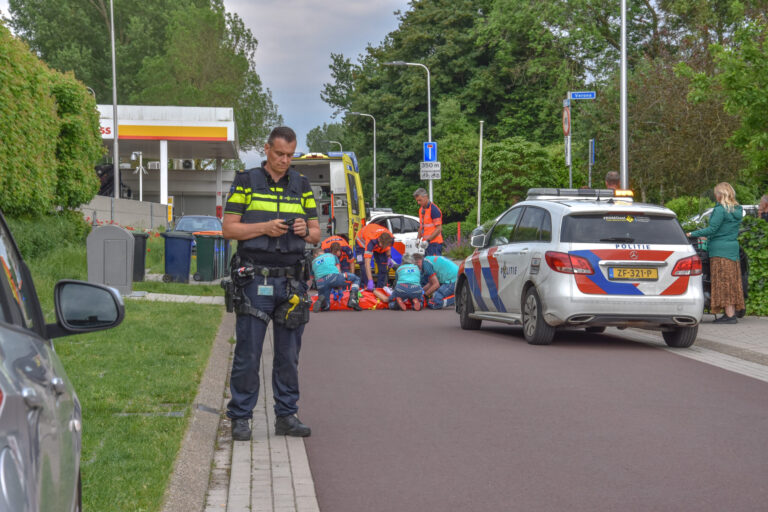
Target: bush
754,241
38,235
688,206
50,134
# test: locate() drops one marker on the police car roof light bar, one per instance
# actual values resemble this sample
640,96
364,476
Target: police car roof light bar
578,193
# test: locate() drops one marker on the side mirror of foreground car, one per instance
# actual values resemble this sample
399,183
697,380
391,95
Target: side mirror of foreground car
478,237
84,307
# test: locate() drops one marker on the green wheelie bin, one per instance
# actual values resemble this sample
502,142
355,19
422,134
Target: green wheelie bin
209,244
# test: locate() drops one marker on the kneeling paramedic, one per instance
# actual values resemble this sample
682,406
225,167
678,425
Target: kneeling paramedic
326,270
272,213
438,276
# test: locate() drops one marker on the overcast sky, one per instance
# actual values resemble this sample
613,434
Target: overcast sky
296,38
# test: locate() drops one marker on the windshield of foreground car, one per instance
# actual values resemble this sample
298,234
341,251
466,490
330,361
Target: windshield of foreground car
622,228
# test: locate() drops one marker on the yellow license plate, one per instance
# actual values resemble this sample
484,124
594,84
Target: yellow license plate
633,274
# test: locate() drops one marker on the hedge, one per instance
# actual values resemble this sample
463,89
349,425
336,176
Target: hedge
49,134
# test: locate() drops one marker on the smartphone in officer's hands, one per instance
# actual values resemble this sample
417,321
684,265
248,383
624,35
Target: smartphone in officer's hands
289,223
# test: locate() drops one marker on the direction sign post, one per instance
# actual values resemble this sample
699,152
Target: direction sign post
591,160
568,127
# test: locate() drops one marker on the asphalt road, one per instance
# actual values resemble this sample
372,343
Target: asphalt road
410,413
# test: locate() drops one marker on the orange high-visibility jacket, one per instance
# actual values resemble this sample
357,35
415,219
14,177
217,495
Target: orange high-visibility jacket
429,218
346,250
367,239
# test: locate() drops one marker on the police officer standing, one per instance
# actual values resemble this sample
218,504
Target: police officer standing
272,213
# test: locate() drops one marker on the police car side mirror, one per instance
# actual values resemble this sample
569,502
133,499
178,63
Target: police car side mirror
478,237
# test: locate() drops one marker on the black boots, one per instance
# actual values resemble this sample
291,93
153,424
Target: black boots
241,431
284,426
725,319
291,426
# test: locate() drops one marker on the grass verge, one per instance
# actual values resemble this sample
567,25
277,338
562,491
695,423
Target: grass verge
136,385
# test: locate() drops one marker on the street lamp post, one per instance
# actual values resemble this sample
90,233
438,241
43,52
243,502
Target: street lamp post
116,157
335,142
429,104
374,152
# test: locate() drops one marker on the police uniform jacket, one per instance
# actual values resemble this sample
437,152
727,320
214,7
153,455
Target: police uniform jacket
256,197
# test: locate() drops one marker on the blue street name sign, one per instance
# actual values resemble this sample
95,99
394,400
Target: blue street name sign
583,95
430,152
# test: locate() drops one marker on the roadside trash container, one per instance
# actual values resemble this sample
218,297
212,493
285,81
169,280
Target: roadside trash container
139,255
210,246
178,256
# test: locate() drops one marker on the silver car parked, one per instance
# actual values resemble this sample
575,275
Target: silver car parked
583,258
40,419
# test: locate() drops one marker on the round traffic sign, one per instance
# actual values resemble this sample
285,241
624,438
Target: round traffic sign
567,121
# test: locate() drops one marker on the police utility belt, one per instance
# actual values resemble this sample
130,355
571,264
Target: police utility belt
291,313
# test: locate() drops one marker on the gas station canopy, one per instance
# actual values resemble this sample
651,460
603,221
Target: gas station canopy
190,132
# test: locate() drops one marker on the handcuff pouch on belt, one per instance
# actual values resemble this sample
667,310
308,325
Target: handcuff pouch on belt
293,312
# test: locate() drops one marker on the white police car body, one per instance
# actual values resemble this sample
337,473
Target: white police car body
583,258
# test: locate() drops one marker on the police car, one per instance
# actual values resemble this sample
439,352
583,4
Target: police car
567,258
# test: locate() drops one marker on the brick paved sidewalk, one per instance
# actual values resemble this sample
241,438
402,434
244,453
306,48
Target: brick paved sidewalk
268,473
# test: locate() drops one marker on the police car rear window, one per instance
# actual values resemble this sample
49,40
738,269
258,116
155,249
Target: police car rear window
622,228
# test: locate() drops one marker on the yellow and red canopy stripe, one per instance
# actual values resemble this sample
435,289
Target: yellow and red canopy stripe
153,132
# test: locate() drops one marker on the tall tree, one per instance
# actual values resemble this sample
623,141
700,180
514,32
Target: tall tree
208,60
173,52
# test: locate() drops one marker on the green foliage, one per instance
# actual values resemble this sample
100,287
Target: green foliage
50,130
28,127
754,241
79,142
318,138
688,206
39,235
208,60
743,77
510,168
458,251
170,52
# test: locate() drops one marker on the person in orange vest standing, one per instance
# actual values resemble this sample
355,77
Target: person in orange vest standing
347,256
374,242
430,223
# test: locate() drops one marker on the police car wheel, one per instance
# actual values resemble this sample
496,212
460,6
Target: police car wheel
465,308
535,329
680,337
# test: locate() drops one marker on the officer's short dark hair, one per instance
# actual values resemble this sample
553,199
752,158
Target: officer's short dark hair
281,132
417,256
335,246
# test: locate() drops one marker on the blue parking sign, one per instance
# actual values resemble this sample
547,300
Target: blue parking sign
430,152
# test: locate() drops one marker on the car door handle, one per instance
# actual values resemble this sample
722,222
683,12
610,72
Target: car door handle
31,398
57,383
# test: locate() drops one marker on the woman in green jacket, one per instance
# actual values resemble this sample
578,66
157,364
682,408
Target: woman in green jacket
723,248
